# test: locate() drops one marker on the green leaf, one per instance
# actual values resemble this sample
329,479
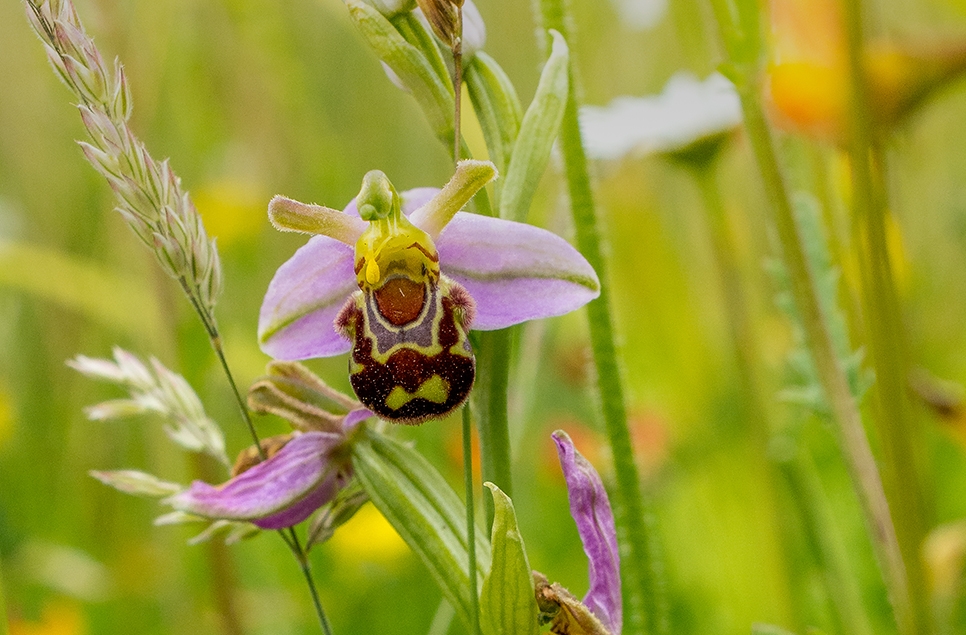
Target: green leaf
411,66
497,108
424,510
507,604
118,301
538,130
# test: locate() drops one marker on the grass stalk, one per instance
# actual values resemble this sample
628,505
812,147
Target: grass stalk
845,412
884,329
642,571
289,536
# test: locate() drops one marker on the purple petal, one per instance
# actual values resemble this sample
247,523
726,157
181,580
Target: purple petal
356,417
595,524
303,300
514,271
279,492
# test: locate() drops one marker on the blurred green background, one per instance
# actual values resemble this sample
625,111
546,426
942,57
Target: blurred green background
252,98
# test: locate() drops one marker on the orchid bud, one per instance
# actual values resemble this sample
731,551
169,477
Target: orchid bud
445,18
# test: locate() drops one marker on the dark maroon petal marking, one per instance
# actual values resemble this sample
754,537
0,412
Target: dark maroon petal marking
409,367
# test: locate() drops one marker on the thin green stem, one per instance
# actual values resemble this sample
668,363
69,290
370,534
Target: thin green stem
492,383
470,516
215,338
885,333
289,536
845,412
303,560
642,571
493,360
733,294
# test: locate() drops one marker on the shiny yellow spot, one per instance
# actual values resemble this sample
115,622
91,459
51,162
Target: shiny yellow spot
369,537
434,389
372,269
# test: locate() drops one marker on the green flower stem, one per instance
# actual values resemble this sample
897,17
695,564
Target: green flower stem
885,333
492,383
641,570
4,625
841,587
748,359
470,516
845,412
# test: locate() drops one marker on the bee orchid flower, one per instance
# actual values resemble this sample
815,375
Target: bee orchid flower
399,279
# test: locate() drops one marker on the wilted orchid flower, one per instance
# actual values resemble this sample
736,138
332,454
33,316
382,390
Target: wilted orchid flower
600,612
302,472
400,279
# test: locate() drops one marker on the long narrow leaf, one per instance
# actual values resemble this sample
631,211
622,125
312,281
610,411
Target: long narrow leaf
424,510
110,298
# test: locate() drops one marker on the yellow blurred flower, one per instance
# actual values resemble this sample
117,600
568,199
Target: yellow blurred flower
58,618
368,537
233,210
808,79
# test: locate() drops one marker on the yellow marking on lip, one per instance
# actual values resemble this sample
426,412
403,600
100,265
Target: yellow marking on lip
435,389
